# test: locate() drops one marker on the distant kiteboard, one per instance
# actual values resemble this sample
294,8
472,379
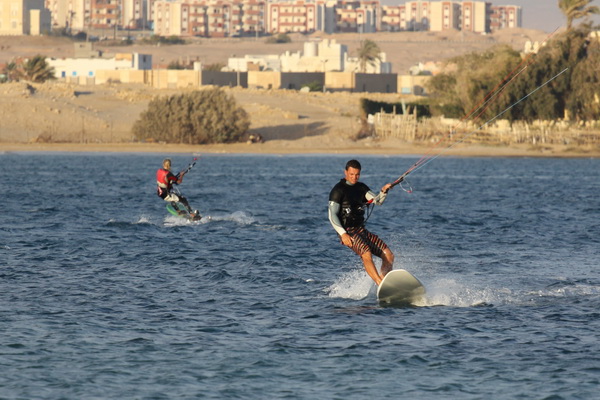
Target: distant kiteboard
400,287
180,211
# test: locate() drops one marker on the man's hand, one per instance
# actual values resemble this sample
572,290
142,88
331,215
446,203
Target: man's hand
386,187
347,240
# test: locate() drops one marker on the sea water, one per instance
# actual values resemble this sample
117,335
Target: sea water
104,295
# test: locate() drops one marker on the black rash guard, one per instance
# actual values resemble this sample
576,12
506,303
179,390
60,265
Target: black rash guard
352,199
347,202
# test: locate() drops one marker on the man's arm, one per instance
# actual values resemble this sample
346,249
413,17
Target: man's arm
380,197
334,210
174,179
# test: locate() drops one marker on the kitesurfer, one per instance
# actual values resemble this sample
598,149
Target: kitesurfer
165,180
347,203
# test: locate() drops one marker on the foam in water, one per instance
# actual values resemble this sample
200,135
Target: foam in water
172,220
143,220
355,285
449,292
240,217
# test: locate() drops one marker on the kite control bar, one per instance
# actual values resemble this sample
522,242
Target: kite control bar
189,167
398,181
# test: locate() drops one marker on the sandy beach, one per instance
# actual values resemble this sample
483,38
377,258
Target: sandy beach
59,116
63,117
300,147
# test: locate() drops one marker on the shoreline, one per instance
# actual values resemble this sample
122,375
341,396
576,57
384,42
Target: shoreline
281,147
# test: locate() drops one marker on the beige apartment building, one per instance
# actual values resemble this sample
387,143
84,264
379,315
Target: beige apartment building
69,14
437,16
82,15
503,17
298,16
357,16
219,18
24,17
227,18
445,15
208,18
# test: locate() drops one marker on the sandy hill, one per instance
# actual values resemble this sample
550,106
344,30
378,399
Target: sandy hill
403,49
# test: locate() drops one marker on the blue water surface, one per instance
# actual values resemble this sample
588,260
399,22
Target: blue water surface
104,295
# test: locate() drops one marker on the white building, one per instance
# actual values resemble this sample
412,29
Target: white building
324,56
87,67
261,62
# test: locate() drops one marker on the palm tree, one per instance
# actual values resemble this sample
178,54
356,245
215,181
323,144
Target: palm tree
36,69
11,70
576,9
368,53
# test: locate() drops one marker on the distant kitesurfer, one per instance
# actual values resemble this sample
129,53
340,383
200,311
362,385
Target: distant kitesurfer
165,181
347,203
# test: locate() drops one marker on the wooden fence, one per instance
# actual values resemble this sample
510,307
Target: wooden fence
407,127
398,126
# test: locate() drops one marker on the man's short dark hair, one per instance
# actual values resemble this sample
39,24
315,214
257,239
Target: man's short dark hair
353,164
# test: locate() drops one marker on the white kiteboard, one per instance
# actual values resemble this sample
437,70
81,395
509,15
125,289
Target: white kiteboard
400,287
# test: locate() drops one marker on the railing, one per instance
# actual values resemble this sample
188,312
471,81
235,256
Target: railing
407,128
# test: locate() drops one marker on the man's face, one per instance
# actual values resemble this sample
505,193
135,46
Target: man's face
352,175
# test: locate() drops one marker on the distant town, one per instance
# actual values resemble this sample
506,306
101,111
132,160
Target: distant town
238,18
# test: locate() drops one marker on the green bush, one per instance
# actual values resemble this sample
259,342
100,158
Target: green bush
314,86
461,91
199,117
156,39
280,38
34,69
560,80
176,65
213,67
368,106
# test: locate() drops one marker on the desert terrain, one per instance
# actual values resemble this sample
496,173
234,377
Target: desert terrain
67,117
402,49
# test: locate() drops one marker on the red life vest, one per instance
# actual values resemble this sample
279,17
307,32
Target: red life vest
162,178
163,182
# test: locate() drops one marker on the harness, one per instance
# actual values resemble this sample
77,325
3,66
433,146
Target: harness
353,206
352,216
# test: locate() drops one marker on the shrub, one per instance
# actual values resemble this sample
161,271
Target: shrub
156,39
199,117
176,65
562,78
34,69
314,86
213,67
280,38
368,106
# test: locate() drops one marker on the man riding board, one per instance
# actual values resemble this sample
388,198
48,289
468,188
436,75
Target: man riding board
165,181
347,202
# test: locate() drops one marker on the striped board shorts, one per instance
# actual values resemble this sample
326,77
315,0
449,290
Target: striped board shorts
364,241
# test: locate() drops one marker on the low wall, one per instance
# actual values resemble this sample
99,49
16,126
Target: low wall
264,79
331,81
